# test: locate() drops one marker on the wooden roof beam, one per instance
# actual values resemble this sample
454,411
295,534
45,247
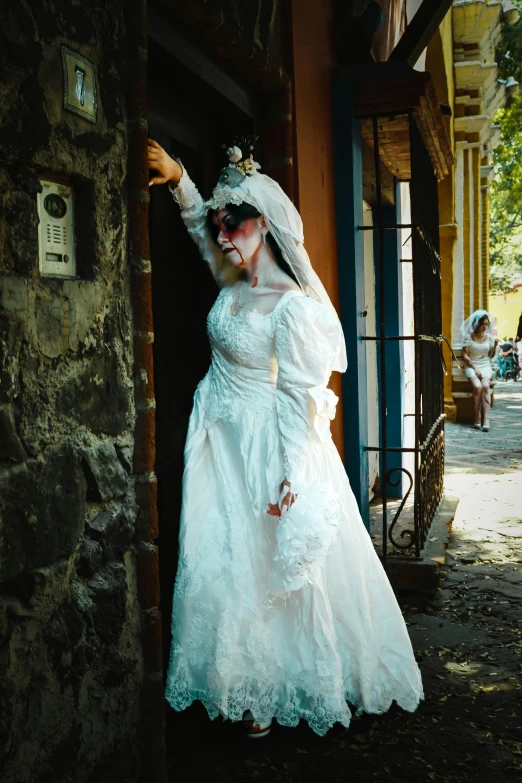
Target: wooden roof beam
420,30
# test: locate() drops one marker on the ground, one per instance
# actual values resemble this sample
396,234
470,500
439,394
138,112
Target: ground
467,640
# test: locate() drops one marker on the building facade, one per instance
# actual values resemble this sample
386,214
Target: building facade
476,30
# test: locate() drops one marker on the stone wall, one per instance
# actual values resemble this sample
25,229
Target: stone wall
71,665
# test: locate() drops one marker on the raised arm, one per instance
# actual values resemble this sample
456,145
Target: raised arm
193,211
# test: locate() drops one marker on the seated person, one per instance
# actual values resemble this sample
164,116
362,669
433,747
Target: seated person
506,359
478,348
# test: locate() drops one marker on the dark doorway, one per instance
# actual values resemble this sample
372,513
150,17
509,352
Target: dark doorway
191,119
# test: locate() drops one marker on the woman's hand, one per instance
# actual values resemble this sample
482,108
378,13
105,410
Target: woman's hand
168,169
478,374
286,500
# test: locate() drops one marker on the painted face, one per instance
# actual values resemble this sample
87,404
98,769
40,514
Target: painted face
239,241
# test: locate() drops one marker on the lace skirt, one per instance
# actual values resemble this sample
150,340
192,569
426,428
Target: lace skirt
235,646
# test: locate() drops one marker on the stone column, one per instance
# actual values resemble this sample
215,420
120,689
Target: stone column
448,235
476,236
485,246
458,257
468,229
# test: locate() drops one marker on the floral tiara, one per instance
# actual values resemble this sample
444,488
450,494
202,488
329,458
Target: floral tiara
239,167
240,160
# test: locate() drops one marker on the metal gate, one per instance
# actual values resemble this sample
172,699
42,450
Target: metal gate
427,480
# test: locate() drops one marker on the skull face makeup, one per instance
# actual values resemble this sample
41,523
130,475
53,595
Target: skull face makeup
239,240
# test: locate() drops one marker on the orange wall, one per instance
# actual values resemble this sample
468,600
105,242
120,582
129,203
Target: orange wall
312,54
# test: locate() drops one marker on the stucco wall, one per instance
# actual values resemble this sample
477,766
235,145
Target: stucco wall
313,61
70,656
506,309
439,62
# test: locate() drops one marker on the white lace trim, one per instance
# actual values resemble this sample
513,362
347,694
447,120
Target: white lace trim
223,195
185,193
322,705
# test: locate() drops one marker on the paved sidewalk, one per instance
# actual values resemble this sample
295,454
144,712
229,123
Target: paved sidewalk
467,641
467,448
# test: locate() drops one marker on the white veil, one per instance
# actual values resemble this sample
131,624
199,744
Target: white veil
285,224
471,323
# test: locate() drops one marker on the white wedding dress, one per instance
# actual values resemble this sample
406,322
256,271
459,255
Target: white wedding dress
262,414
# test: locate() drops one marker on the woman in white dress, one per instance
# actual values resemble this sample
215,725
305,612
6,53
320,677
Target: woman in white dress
281,606
478,348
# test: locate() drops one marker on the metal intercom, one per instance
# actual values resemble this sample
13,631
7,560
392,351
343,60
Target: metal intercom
56,233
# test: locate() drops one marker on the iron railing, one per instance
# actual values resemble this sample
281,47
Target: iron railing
428,449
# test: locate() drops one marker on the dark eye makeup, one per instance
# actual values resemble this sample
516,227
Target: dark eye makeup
230,224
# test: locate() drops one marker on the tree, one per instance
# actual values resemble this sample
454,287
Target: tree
506,189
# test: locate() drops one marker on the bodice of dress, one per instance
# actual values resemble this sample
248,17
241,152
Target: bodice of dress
478,352
244,368
246,339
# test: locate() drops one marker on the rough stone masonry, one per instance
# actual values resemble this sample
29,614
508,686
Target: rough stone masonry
71,664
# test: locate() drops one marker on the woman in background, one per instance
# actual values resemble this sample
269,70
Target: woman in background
478,348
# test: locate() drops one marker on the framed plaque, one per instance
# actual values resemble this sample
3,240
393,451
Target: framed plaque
79,85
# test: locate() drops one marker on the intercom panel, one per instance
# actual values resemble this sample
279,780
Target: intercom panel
56,234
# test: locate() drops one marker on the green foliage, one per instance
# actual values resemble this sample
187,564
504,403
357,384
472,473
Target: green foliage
506,190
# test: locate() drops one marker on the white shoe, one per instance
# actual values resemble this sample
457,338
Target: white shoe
477,425
255,730
485,426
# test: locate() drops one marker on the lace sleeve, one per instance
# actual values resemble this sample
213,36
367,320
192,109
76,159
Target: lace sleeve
194,214
306,338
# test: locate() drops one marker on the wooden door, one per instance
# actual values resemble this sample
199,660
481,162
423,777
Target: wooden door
191,120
